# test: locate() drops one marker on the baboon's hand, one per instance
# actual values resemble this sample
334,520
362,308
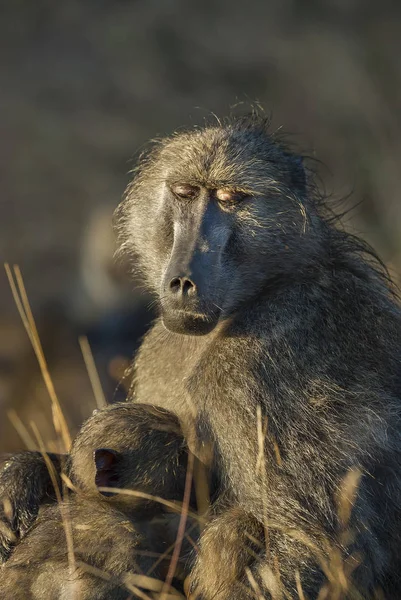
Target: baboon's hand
24,484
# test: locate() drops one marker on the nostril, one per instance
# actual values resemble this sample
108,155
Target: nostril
188,287
175,284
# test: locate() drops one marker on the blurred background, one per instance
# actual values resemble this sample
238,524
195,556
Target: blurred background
84,84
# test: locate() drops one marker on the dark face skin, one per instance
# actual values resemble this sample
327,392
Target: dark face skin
213,220
195,281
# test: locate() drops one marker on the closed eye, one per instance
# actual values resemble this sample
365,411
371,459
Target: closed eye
185,190
230,196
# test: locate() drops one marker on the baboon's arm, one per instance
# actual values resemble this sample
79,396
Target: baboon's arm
240,559
25,483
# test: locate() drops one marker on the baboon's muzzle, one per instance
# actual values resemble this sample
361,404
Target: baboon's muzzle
186,307
189,294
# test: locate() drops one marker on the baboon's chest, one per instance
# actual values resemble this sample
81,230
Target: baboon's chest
163,369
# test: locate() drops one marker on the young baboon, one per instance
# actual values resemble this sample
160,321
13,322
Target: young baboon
279,342
93,544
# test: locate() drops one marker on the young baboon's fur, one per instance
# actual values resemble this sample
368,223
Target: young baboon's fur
279,340
112,536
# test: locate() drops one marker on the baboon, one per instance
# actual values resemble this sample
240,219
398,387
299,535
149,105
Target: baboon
91,545
278,343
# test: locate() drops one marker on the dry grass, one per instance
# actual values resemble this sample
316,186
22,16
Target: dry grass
21,300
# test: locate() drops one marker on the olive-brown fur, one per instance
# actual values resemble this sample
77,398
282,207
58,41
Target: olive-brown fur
285,358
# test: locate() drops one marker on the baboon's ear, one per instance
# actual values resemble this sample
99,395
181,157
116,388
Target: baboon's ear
297,173
106,465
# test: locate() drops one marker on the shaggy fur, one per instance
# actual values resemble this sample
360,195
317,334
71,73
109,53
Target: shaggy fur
285,358
309,331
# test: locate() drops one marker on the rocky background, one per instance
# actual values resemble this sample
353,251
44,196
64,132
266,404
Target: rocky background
84,84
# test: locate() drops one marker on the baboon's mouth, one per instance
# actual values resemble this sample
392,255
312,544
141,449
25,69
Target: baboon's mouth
189,323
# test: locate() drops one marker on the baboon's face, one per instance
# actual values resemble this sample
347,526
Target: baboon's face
213,216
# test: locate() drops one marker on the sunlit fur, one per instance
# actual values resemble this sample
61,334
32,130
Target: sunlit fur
296,385
310,332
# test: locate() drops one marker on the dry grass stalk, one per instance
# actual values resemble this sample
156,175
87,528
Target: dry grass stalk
181,527
24,309
261,467
63,506
92,372
152,585
299,586
347,495
22,431
107,577
131,581
176,507
254,584
166,553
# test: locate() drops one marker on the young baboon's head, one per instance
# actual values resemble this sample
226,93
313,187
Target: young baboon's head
119,447
212,216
